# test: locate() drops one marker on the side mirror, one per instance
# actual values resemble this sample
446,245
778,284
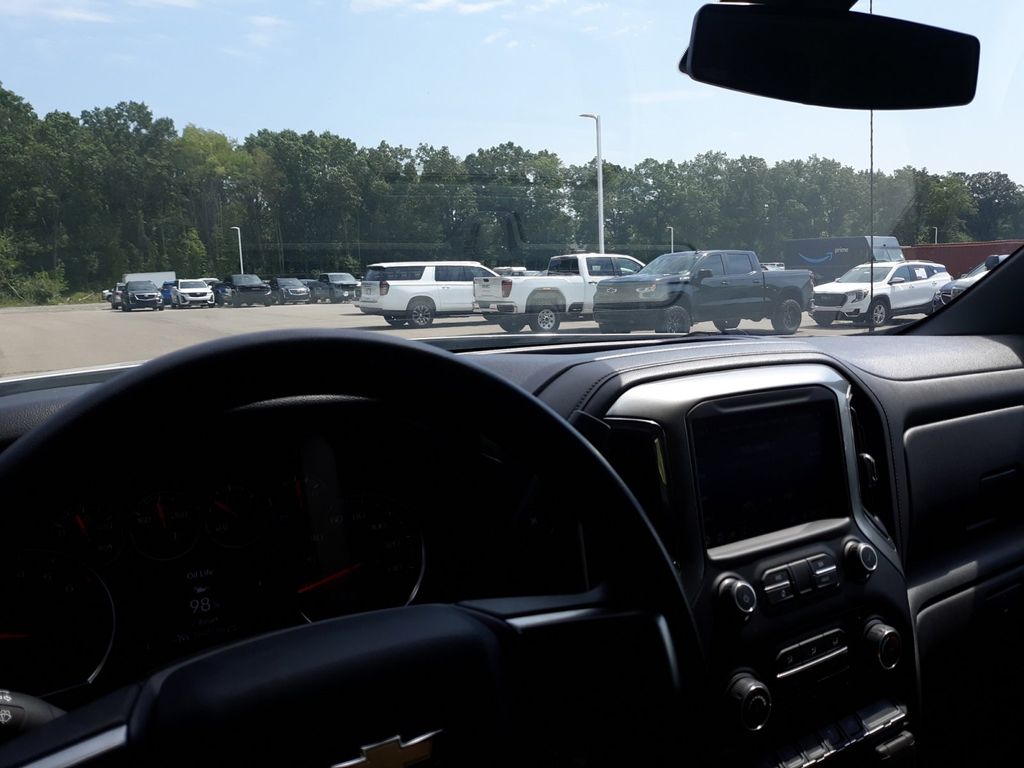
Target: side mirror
896,281
703,273
991,262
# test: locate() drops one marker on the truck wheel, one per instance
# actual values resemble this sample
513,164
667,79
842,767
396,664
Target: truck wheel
512,324
421,313
674,320
824,320
394,322
878,313
787,317
727,325
545,320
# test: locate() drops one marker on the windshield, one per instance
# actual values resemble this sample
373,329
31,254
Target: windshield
861,274
140,286
123,159
670,264
192,285
289,282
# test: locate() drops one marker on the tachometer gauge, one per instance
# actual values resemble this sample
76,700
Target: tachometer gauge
362,554
90,532
165,526
56,626
235,514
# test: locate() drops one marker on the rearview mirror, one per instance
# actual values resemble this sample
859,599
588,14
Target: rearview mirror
896,281
831,58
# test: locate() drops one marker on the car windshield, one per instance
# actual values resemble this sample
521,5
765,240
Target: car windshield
289,282
670,264
192,285
140,285
862,274
123,159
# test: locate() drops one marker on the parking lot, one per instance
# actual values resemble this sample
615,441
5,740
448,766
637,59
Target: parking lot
34,339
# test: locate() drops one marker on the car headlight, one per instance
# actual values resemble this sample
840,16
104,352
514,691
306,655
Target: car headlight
647,290
856,296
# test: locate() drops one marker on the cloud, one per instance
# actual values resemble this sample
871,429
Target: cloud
57,10
589,8
266,22
494,37
665,97
512,44
589,29
162,3
262,30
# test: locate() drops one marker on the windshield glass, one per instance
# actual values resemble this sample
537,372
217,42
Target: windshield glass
670,264
289,282
861,274
192,285
122,159
141,285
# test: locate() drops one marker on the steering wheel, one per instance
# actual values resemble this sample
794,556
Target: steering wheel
603,677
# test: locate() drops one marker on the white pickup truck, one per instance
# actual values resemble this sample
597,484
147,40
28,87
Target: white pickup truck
566,291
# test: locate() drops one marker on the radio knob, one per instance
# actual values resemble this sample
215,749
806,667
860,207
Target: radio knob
750,701
861,559
885,644
738,597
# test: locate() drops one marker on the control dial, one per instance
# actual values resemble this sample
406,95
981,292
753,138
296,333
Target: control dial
884,643
861,559
737,597
750,701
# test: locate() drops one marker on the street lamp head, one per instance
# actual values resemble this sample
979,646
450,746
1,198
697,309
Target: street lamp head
238,228
591,115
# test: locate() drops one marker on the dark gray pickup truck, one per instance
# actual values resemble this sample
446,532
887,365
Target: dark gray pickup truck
678,289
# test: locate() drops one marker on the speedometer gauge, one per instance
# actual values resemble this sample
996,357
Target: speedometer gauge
57,623
363,554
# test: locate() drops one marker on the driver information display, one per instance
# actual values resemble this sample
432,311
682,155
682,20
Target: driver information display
762,469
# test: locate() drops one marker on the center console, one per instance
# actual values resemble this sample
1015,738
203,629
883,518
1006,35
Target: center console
798,593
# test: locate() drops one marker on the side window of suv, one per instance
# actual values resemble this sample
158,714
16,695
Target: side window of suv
737,264
905,273
600,266
477,272
444,273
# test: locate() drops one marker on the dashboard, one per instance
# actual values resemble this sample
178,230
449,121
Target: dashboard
842,513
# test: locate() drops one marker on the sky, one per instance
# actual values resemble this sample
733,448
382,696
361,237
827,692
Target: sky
468,74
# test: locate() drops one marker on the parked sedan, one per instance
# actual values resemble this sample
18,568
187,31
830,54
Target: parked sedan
190,293
288,290
141,294
317,291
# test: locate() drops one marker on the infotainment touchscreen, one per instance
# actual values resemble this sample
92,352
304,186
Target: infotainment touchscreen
766,463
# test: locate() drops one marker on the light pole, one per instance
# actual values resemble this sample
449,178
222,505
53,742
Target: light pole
600,182
241,268
671,239
936,241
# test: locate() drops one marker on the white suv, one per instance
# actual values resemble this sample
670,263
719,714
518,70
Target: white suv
900,288
191,293
415,292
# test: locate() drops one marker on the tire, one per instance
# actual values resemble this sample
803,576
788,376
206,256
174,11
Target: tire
421,313
674,320
824,320
160,308
511,324
394,322
878,313
545,320
727,325
787,317
123,307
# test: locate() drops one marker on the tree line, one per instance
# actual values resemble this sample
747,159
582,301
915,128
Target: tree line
85,199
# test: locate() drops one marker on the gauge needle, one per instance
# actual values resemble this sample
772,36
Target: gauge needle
160,513
81,525
14,635
224,508
336,576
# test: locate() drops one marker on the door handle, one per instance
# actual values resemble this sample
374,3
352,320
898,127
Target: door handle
725,282
592,282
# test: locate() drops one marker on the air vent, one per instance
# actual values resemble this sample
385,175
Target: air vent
873,465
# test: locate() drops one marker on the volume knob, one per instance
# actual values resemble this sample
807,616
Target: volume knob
750,701
885,643
861,559
738,597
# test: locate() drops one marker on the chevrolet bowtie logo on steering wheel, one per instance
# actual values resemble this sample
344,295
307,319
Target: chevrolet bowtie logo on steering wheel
393,753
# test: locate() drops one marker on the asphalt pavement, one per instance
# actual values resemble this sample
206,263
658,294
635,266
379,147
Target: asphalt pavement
37,339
